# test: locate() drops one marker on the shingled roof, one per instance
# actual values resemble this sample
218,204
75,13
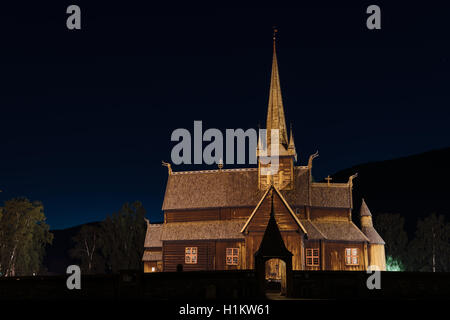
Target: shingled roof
340,231
239,188
312,232
367,227
364,210
373,235
153,236
152,256
299,196
203,230
337,195
212,189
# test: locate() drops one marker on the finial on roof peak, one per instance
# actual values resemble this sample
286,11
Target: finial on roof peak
169,167
350,179
311,158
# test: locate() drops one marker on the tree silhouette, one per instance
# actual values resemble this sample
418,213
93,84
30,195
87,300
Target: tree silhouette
117,243
391,229
23,237
430,250
122,237
87,249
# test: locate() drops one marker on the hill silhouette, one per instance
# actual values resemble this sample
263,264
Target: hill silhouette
413,186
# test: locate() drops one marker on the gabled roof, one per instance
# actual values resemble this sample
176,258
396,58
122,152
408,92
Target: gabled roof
294,216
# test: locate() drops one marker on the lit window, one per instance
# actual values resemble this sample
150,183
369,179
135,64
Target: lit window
351,256
232,256
190,255
312,257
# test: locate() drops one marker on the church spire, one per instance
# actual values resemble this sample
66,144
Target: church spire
281,174
275,113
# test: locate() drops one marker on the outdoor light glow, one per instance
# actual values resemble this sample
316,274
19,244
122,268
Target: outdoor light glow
393,264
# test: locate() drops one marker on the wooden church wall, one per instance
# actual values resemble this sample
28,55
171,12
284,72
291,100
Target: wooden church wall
207,214
174,254
211,255
293,242
329,214
282,178
314,244
377,256
220,259
148,265
335,256
283,217
192,215
252,243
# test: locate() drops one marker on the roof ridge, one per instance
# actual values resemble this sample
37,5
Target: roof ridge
332,184
214,171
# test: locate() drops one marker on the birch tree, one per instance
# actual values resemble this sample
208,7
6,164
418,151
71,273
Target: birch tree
23,237
87,249
430,250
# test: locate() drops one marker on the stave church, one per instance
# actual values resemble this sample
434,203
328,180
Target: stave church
224,219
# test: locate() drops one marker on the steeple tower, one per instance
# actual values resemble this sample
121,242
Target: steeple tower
366,215
283,177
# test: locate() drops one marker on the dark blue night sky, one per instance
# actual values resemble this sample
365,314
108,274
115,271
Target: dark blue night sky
86,116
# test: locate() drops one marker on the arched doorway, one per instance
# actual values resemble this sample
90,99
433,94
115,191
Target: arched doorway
275,276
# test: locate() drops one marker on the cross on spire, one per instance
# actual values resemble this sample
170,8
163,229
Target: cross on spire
328,179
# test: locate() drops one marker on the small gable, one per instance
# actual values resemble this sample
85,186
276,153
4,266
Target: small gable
284,216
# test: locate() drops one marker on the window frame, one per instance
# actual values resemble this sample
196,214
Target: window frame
309,254
354,254
193,252
232,256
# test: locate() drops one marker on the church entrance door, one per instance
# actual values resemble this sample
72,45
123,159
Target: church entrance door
275,276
